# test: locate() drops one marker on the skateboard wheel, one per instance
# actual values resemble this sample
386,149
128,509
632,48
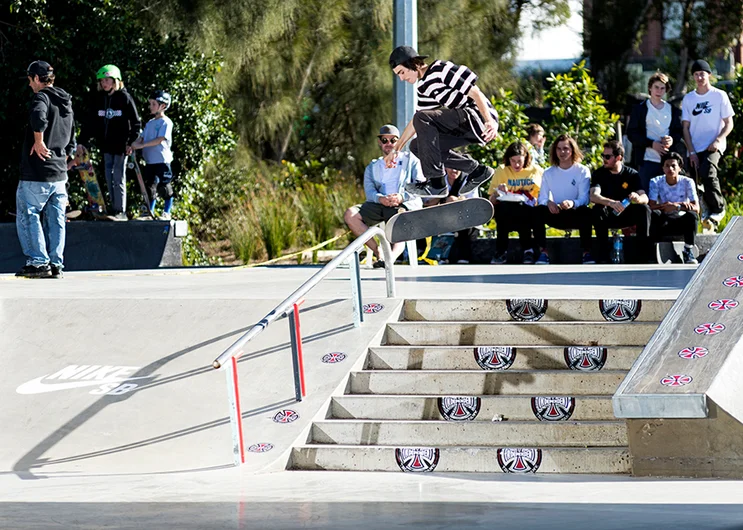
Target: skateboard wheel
130,165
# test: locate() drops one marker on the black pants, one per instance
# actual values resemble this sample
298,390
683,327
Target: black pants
510,216
665,225
461,249
706,175
579,218
439,132
633,215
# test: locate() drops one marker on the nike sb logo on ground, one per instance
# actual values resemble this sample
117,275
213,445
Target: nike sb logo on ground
110,380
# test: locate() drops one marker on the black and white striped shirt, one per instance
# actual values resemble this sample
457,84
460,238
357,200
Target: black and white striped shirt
446,84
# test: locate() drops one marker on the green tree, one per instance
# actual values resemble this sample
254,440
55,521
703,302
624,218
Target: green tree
578,110
120,33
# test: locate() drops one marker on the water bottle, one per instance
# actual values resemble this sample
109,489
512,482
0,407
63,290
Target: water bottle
625,203
617,254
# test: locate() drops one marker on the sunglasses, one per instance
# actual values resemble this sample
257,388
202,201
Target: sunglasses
607,157
385,141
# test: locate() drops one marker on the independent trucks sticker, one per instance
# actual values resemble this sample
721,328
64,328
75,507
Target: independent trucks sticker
108,380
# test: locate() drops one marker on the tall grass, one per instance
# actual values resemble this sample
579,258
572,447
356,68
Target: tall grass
274,220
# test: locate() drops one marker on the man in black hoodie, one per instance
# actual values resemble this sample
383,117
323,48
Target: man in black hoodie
113,126
42,189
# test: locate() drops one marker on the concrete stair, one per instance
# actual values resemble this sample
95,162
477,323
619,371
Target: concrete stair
463,386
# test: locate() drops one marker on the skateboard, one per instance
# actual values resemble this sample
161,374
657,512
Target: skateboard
142,188
440,219
96,205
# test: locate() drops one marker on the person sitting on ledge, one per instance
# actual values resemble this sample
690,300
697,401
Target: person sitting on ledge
620,202
563,197
513,192
675,205
384,187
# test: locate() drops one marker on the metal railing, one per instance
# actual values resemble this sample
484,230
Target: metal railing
228,359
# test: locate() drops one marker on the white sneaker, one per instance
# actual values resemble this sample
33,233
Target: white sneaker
717,217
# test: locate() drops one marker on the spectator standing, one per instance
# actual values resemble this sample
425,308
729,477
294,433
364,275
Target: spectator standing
707,118
673,199
513,192
42,190
620,202
654,129
155,143
113,126
563,197
451,112
385,192
536,140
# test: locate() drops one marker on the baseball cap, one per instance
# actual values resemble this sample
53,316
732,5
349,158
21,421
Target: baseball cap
40,68
700,66
389,130
403,53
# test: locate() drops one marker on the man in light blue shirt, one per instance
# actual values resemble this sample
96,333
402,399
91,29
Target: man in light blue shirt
385,191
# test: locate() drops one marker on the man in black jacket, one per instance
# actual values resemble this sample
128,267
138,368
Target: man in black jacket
113,125
47,146
654,129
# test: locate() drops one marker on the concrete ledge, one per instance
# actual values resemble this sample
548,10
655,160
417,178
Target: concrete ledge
99,245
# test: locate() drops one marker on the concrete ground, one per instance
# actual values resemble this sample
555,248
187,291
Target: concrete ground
158,455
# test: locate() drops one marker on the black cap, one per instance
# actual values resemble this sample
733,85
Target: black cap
403,53
40,68
700,66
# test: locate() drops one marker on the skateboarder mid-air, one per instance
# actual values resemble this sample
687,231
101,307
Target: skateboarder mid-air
451,112
155,144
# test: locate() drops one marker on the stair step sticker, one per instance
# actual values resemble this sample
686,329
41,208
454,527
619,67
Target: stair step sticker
418,459
585,358
521,460
495,357
464,408
620,310
526,309
558,408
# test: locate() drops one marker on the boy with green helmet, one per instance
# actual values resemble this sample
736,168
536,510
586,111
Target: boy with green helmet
112,126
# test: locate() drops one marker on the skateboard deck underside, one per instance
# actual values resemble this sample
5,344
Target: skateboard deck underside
434,220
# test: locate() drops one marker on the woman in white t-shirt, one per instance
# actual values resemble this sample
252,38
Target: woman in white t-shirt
654,130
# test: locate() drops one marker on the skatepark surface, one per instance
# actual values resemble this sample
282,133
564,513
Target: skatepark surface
114,417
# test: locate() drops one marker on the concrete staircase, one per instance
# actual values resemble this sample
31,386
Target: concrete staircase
488,386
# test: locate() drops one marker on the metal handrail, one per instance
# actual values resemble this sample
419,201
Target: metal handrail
284,307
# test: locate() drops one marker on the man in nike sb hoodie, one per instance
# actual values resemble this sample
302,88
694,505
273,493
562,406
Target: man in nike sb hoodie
113,126
42,191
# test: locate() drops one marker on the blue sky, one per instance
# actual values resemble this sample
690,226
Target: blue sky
559,43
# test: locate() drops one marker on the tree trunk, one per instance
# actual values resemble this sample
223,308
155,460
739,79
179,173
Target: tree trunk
302,88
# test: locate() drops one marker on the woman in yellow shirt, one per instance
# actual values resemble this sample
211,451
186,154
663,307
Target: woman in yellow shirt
513,192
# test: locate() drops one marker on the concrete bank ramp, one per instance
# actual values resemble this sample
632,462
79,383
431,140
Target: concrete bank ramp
99,386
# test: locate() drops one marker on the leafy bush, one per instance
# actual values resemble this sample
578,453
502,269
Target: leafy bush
578,110
511,127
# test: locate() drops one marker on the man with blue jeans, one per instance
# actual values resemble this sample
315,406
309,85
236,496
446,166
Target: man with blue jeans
48,144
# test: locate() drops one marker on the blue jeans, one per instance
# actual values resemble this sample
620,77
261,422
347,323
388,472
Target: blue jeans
115,168
32,200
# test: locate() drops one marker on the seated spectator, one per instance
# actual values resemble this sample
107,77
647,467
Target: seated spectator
513,192
675,205
536,140
654,128
620,202
385,192
563,197
461,249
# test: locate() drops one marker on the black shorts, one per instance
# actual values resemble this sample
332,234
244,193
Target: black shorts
373,213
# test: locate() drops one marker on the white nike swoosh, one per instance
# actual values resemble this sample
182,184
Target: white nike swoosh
35,386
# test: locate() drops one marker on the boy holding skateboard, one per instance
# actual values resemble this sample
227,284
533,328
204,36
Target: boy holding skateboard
114,125
451,112
155,143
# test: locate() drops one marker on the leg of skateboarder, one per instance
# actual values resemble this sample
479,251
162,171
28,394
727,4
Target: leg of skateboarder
452,112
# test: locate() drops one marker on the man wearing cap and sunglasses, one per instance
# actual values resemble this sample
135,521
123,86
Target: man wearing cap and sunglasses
451,112
42,189
384,187
707,119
